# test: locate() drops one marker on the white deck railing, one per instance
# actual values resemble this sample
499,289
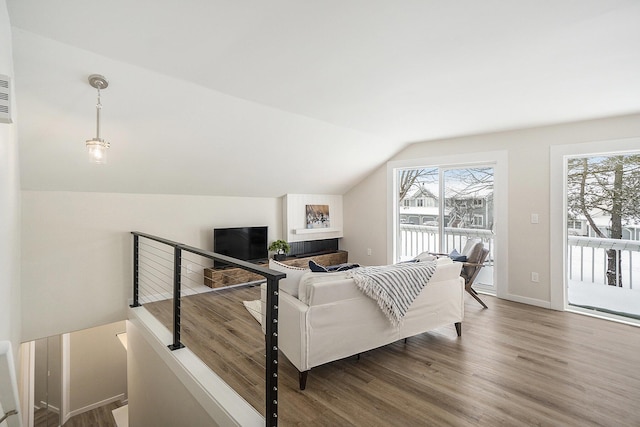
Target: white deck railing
416,239
587,258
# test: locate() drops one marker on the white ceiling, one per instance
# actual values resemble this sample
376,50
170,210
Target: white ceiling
255,98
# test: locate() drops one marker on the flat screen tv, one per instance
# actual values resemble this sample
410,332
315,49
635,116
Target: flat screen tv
245,243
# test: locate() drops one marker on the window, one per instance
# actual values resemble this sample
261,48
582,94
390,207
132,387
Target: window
604,190
572,255
463,189
440,176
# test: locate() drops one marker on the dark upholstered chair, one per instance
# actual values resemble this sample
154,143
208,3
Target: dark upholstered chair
476,255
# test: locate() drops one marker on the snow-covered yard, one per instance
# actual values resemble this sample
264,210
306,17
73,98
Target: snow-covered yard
587,281
612,299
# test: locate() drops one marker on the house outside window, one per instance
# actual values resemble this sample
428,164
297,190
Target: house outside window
449,223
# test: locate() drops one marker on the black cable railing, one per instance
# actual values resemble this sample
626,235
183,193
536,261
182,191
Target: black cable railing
160,289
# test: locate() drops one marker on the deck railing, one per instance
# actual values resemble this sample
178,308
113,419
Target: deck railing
162,272
416,239
588,260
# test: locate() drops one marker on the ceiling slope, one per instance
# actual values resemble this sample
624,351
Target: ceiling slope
266,98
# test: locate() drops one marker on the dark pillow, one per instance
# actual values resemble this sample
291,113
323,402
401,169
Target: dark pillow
455,256
343,267
317,268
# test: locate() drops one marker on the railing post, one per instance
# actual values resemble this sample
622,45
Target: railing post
271,347
630,270
136,263
177,261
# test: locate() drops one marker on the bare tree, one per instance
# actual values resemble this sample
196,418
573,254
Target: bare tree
474,181
471,184
412,179
463,186
606,186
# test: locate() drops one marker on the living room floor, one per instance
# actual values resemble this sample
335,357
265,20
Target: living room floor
514,365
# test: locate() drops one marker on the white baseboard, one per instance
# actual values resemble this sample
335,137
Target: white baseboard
530,301
50,407
96,405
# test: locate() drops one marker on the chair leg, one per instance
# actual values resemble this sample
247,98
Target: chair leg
474,294
458,326
302,378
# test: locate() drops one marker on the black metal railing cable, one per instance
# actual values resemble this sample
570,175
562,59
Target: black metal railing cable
164,269
192,268
153,274
156,284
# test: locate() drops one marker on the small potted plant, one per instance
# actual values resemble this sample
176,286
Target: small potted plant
280,247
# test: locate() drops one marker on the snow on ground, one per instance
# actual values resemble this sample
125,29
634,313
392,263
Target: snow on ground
609,298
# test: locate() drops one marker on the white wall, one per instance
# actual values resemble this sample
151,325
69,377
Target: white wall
365,220
366,210
98,367
9,206
157,397
77,248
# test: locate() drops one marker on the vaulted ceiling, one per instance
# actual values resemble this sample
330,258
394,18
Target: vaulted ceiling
255,98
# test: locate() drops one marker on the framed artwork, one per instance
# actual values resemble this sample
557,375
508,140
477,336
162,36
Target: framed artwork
318,216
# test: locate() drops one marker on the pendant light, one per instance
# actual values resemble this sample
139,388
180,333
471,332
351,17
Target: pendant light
97,147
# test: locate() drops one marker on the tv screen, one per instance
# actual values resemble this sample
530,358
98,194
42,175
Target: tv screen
245,243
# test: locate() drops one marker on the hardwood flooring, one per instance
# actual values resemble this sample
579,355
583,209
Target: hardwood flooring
514,365
45,418
99,417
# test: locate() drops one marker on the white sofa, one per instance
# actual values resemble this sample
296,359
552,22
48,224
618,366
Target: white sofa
331,319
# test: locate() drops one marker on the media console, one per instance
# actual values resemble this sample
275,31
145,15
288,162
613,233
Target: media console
218,278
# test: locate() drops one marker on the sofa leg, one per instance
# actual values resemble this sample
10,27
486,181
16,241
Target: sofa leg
405,340
302,378
458,328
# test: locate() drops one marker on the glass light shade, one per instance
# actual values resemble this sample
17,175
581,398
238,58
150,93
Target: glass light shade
97,149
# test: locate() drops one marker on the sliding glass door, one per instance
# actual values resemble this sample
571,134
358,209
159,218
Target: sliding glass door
440,208
603,233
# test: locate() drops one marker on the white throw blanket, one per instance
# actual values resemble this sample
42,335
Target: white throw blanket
394,287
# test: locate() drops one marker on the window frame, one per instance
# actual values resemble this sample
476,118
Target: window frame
499,161
559,154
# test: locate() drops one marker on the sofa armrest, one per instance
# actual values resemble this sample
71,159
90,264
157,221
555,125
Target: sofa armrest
292,330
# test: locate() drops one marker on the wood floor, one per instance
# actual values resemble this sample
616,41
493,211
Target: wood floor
514,365
99,417
45,418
